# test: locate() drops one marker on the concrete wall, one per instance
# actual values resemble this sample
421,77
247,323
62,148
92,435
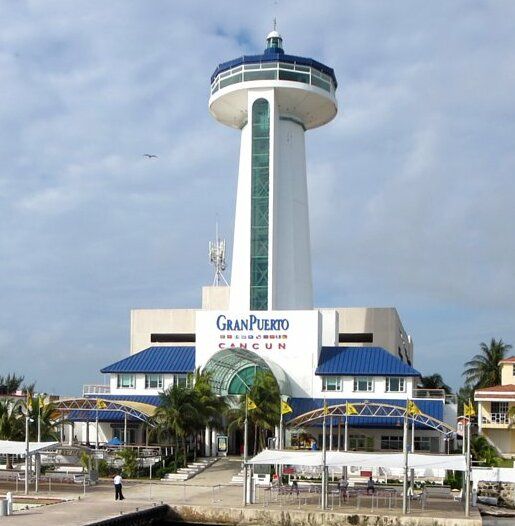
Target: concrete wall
507,376
384,323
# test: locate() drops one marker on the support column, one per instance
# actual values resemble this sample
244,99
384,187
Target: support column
214,452
207,441
72,430
125,429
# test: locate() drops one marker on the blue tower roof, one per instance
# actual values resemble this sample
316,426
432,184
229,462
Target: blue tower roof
274,52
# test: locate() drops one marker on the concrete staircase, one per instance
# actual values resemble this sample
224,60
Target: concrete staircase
190,470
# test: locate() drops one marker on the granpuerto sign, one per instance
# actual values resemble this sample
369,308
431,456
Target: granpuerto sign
251,323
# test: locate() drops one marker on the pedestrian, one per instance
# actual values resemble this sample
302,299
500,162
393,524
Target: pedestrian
344,486
117,481
370,486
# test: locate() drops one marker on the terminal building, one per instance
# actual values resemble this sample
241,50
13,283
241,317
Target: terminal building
265,319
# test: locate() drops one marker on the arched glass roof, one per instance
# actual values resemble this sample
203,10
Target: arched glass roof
230,368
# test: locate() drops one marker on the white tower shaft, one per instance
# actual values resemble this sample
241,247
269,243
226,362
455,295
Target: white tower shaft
279,243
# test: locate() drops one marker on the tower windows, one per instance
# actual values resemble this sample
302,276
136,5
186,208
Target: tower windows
259,205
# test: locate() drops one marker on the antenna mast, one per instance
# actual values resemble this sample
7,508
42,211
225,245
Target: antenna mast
217,259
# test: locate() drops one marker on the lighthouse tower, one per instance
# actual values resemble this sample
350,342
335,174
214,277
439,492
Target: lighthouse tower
273,98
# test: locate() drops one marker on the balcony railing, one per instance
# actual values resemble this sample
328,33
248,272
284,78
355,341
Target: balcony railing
438,394
95,389
496,418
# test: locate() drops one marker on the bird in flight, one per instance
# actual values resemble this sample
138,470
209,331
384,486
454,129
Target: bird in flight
150,156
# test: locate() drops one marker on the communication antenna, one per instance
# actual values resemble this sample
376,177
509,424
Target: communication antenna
217,259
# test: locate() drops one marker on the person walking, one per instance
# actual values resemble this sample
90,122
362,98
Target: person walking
117,481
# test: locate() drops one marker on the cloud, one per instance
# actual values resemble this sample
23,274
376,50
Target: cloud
411,186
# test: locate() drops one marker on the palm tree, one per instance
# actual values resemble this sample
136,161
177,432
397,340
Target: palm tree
44,413
177,416
483,451
484,369
210,407
11,423
265,394
10,383
434,381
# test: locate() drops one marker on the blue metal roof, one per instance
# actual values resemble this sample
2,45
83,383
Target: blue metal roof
300,406
156,360
362,361
103,416
275,57
145,399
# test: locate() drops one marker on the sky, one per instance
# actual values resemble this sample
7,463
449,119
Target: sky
411,186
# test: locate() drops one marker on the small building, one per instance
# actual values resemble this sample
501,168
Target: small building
494,404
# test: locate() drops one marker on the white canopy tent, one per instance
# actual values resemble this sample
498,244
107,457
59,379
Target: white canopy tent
338,459
12,447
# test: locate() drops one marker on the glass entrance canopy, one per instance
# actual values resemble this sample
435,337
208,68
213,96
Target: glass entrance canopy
233,372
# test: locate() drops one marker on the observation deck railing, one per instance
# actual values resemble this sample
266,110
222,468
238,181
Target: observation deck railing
92,389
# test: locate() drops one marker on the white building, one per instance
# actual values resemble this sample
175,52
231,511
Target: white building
266,319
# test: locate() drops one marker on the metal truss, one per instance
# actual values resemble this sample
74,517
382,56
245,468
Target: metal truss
371,410
92,404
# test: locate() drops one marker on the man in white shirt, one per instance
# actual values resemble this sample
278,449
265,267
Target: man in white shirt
118,487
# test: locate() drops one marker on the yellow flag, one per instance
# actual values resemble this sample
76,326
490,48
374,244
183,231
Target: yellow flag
326,408
285,408
350,409
250,404
413,409
469,410
29,400
101,404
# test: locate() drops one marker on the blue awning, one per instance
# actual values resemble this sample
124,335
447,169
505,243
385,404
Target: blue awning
156,360
362,361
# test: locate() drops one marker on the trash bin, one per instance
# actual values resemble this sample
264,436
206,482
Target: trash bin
3,507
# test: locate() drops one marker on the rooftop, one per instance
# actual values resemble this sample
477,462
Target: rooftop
362,361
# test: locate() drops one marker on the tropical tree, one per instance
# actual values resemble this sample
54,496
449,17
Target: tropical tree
10,383
210,407
11,423
42,414
130,461
434,381
484,369
482,451
265,394
178,416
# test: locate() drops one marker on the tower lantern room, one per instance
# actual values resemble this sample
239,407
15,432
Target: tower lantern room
273,98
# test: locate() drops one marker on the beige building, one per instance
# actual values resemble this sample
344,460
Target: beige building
494,404
356,326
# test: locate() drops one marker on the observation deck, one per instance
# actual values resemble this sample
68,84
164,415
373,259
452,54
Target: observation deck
306,87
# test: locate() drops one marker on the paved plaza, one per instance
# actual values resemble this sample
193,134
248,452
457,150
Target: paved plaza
211,495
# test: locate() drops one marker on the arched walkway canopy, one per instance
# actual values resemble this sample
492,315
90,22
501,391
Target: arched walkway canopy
137,410
233,372
369,409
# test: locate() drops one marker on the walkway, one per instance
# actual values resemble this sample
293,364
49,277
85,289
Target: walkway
209,495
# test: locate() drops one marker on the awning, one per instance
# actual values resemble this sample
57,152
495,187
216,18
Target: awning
12,447
336,459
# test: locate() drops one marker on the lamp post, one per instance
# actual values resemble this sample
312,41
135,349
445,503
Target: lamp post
27,419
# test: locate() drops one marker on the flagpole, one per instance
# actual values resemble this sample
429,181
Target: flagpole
346,438
281,430
412,471
324,474
245,451
405,453
467,474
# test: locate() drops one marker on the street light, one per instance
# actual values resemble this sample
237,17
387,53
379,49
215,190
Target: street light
27,446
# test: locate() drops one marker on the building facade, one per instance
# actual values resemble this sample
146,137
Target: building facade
494,404
266,319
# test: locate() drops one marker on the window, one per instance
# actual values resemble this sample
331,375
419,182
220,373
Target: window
426,444
513,372
395,385
181,380
153,381
331,383
260,159
360,443
499,407
393,443
126,381
363,383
